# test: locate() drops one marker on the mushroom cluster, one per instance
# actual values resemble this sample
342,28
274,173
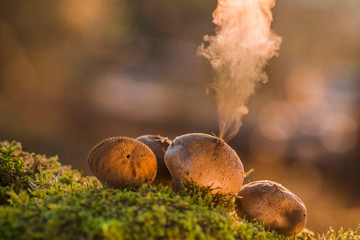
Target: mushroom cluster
203,159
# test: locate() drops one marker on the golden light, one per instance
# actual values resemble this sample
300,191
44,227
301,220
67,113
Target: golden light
339,132
82,15
278,121
305,87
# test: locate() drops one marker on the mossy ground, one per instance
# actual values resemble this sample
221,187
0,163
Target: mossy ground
40,199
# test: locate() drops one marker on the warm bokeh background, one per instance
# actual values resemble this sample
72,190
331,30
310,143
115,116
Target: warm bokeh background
75,72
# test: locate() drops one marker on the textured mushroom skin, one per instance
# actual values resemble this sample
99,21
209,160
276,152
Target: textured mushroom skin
122,162
158,145
206,160
274,205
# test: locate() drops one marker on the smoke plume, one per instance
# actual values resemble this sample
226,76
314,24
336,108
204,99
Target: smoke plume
238,53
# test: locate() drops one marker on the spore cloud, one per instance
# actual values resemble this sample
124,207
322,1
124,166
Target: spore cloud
238,53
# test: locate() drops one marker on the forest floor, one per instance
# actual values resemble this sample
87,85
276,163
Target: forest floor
42,199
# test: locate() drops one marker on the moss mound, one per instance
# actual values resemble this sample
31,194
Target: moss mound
40,199
36,174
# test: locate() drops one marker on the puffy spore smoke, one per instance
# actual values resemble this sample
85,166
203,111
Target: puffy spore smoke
239,51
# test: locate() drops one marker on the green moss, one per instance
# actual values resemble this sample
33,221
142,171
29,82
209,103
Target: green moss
349,234
149,213
43,200
12,170
36,174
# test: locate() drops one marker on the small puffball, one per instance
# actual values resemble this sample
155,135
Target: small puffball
274,205
205,160
122,162
158,145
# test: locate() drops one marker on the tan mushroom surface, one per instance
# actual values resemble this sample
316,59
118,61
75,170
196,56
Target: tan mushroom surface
122,162
158,145
205,160
272,204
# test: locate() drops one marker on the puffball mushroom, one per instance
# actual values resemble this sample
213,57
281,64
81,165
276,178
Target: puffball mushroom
205,160
122,162
274,205
158,145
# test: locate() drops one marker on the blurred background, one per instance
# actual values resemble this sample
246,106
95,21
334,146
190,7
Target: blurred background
75,72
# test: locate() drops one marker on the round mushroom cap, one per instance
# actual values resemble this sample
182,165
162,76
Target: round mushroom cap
272,204
122,162
158,145
205,160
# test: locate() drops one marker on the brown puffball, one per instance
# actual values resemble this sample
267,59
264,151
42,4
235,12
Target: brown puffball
122,162
158,145
274,205
206,160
